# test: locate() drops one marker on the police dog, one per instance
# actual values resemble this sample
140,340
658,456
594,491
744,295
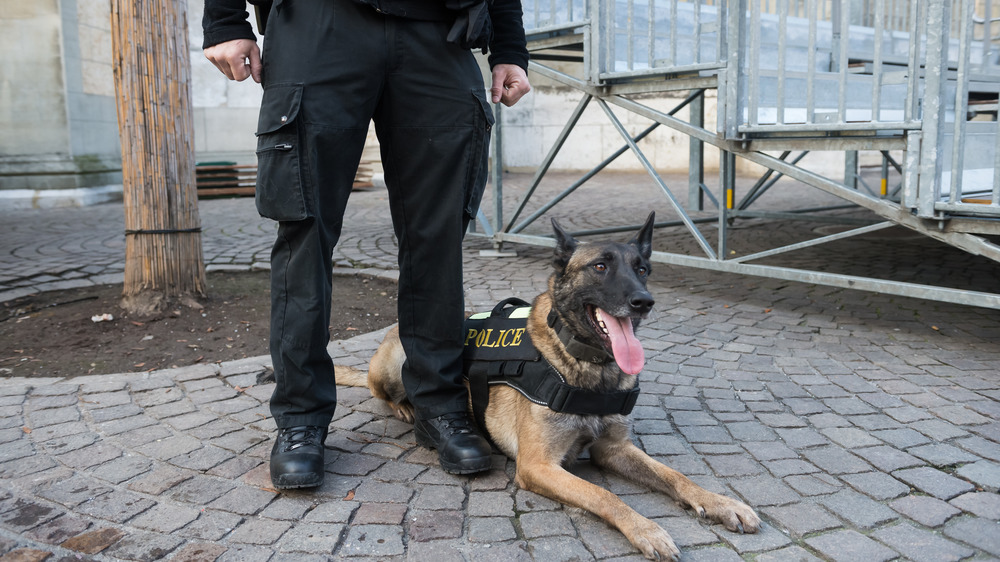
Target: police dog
599,292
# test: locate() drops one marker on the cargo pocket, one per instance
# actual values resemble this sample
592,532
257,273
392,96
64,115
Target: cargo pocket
283,192
479,157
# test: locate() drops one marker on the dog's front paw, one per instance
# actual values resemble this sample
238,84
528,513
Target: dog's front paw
733,514
652,541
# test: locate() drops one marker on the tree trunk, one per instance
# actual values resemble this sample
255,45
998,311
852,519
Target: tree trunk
152,69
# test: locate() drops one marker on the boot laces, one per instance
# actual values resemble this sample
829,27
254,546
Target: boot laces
457,423
295,437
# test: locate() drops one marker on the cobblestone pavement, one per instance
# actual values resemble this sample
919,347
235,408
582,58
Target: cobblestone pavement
860,426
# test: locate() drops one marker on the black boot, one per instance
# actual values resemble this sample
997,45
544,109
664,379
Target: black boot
461,450
297,457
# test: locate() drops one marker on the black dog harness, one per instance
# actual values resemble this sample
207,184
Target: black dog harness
498,350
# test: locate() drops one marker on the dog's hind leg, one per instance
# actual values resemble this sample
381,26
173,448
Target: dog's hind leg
623,457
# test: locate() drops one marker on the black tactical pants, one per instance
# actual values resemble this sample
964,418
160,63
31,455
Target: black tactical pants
330,67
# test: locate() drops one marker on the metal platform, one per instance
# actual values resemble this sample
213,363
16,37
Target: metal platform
898,78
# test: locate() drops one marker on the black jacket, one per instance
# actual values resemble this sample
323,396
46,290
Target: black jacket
225,20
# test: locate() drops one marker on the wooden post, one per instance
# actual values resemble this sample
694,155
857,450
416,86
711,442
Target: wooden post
152,70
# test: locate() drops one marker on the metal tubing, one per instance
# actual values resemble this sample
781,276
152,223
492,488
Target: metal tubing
584,179
678,208
814,242
553,152
961,103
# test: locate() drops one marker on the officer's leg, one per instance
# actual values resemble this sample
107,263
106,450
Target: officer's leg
313,123
433,126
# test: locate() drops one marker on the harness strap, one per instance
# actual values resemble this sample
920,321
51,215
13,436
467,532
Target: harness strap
540,383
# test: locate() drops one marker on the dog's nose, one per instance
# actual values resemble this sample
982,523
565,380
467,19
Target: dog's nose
641,301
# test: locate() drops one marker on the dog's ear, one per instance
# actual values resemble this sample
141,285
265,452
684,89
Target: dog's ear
565,245
644,238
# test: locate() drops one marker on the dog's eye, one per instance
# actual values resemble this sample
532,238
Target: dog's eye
642,271
600,267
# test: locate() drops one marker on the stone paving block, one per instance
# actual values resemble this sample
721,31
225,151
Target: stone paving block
734,465
26,514
288,508
705,434
380,514
93,541
432,525
491,529
259,531
663,445
381,492
767,538
902,437
850,437
801,437
121,469
976,531
942,454
199,490
546,523
26,555
126,424
836,460
876,485
355,464
170,447
801,519
850,546
57,530
887,459
161,479
983,504
934,482
793,553
558,549
711,554
202,459
72,491
490,504
144,546
165,518
769,450
117,506
858,510
439,497
244,500
764,491
211,525
114,413
787,467
198,552
925,510
984,474
311,538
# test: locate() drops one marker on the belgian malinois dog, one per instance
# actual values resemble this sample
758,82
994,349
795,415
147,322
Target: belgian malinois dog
598,291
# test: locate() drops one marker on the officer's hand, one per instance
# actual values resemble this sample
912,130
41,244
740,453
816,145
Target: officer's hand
510,83
237,59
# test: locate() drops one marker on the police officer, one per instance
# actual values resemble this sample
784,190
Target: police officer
328,68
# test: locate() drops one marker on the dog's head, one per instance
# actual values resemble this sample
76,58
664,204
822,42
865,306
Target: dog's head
599,291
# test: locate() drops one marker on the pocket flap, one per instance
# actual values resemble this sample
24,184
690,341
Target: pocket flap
279,107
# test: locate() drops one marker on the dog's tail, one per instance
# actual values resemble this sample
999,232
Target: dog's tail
349,376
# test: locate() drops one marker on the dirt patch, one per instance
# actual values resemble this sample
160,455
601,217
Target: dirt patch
53,334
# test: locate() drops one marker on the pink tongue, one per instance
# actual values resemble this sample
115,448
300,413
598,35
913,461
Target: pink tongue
626,348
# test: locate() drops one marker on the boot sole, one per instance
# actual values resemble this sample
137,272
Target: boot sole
297,481
469,466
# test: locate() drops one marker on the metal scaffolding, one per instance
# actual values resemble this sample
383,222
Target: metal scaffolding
918,79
